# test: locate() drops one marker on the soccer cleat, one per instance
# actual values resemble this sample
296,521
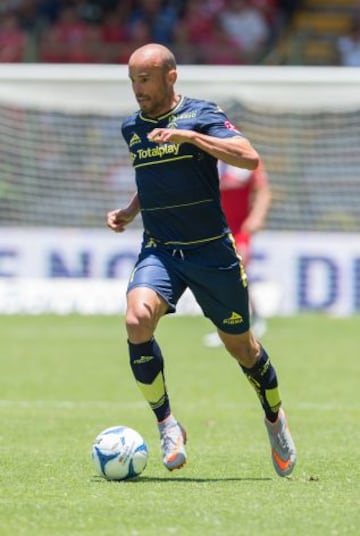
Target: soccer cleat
172,441
282,445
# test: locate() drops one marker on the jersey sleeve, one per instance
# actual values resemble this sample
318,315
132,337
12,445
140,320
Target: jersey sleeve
124,132
214,122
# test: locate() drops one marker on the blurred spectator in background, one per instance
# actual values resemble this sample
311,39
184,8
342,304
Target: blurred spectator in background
227,32
287,8
48,10
200,35
72,38
140,34
269,9
115,34
194,33
89,10
221,48
13,39
28,15
183,49
348,47
9,5
64,40
197,21
160,18
274,15
246,24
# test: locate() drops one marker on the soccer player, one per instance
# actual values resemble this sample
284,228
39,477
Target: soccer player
174,144
245,200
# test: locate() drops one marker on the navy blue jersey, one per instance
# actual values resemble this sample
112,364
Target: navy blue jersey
178,184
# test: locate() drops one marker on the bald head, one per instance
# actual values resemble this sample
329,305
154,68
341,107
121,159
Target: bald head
153,55
152,71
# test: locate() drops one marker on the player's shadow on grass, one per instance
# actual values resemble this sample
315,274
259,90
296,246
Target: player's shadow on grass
144,479
200,480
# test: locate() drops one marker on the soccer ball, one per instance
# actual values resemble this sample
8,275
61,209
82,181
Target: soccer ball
119,453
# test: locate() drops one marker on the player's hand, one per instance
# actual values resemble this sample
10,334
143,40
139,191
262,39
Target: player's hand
173,135
252,225
118,219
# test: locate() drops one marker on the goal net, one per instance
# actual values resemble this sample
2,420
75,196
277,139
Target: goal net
64,163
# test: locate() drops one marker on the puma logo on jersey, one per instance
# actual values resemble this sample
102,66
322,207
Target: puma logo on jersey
235,318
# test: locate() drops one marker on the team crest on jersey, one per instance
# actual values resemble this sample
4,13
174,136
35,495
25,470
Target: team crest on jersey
172,122
134,140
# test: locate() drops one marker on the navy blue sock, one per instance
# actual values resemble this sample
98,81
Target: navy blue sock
147,365
264,380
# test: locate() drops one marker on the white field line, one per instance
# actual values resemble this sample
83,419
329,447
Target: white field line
102,404
67,404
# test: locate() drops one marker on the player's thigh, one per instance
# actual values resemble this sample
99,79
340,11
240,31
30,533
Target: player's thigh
154,276
223,297
229,314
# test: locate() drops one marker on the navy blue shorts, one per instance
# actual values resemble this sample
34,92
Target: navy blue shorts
213,272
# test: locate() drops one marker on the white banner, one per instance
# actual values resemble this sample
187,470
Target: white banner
86,271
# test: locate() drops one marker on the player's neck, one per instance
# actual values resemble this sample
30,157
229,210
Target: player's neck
170,105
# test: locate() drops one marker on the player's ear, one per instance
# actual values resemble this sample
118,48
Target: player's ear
172,76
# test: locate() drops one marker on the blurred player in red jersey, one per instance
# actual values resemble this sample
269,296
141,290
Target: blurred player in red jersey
245,198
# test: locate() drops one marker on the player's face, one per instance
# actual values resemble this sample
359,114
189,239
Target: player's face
153,89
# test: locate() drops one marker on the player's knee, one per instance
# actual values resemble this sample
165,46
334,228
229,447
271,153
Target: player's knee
140,323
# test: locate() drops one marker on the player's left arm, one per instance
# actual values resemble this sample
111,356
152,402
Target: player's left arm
260,202
234,150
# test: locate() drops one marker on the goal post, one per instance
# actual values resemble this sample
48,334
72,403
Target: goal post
106,88
64,163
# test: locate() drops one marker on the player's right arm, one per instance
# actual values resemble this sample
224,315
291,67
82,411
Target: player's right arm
119,218
236,150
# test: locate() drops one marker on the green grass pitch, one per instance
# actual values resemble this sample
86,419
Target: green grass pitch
64,379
